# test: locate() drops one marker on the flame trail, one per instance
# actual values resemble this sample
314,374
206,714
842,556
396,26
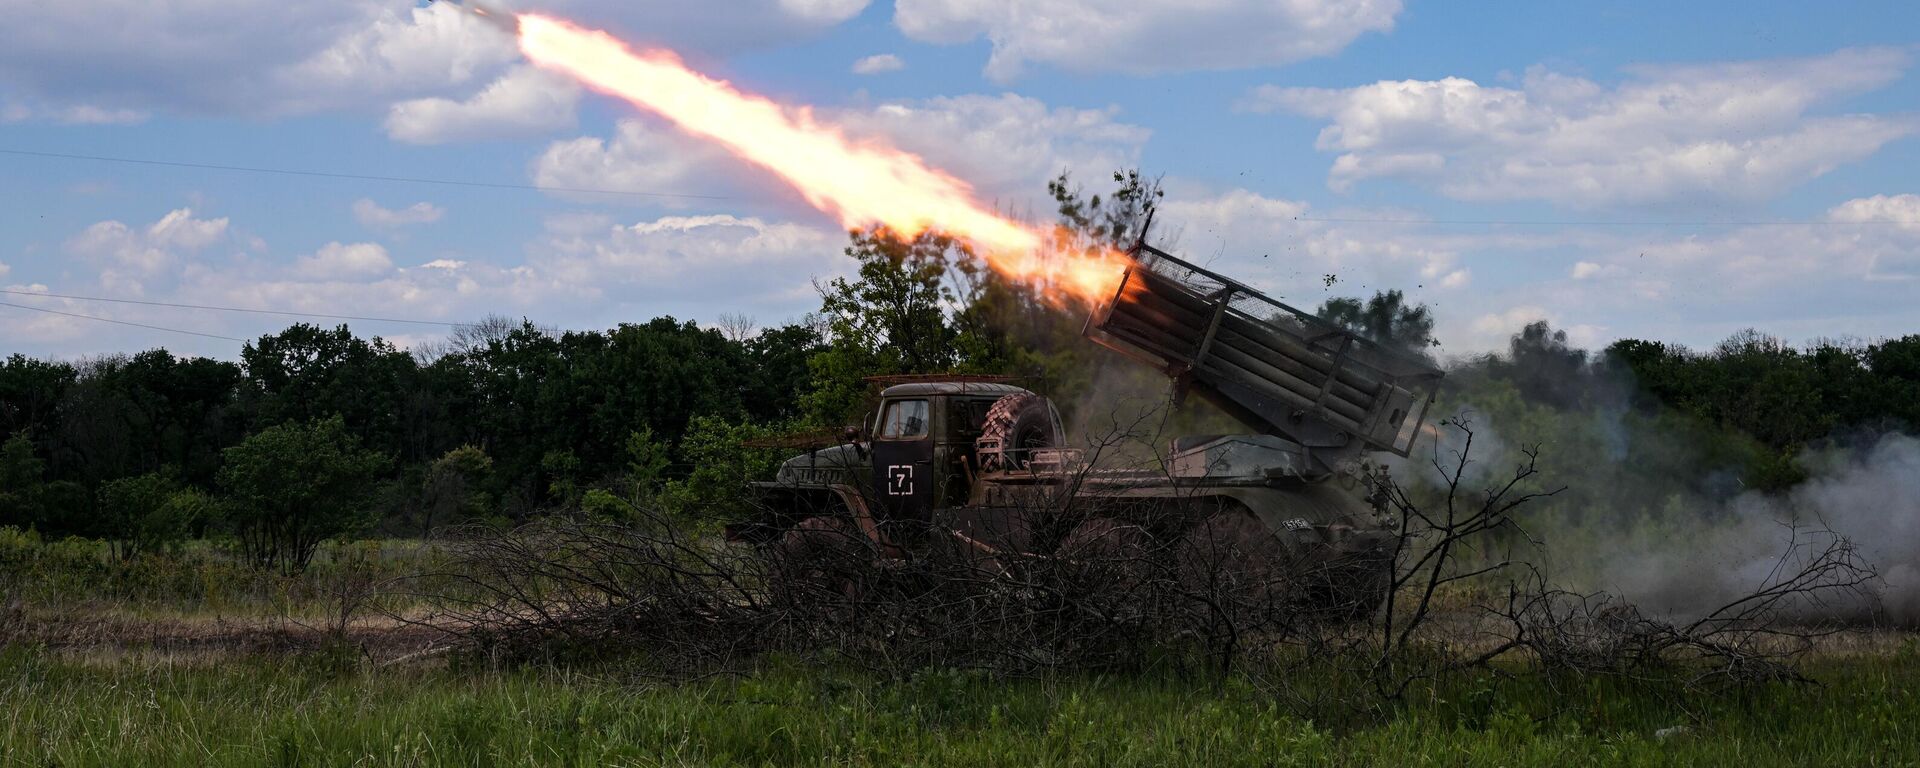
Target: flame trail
861,183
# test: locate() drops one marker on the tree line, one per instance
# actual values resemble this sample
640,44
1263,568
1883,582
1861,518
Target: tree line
318,432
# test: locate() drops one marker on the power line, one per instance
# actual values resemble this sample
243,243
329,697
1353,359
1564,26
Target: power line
235,309
353,176
1621,223
120,322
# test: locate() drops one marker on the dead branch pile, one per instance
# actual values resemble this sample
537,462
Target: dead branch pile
1110,593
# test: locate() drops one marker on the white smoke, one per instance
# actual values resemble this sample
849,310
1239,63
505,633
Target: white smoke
1867,494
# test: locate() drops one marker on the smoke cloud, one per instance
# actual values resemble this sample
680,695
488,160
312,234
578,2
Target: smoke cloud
1868,494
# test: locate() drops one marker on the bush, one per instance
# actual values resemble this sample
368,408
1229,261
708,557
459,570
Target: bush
295,485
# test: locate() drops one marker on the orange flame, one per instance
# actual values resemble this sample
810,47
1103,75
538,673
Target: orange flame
862,183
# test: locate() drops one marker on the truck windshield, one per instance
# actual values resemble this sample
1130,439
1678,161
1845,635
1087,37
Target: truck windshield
905,420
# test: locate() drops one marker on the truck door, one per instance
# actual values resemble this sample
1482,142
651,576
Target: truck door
903,475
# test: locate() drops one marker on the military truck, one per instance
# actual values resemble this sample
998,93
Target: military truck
981,462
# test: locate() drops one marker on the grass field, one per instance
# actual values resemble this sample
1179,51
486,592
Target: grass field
185,661
298,710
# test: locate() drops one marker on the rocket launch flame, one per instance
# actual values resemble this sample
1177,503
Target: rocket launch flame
861,183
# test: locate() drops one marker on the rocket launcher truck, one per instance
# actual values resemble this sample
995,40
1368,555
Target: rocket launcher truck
978,461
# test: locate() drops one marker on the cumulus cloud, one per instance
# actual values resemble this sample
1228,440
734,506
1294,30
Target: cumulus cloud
1289,249
345,263
1007,146
1273,243
371,215
641,158
245,57
126,256
1142,36
525,101
586,270
1898,211
1849,273
878,64
1733,131
683,256
4,269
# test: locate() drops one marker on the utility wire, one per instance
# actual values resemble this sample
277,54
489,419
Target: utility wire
354,176
1623,223
235,309
120,322
683,196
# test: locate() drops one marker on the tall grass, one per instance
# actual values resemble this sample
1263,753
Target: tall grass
196,577
283,711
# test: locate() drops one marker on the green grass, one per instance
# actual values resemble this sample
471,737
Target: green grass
196,579
285,711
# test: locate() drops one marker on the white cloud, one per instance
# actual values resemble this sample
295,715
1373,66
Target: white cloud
371,215
1899,211
398,52
682,252
523,102
4,269
179,229
586,271
239,56
345,263
127,257
1850,273
824,11
1007,146
12,111
1737,131
878,64
61,62
1268,241
1141,36
1497,324
640,158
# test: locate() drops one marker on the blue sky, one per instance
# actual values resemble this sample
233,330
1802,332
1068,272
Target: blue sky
1675,171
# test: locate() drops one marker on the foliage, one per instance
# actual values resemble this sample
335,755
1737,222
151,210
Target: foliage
554,413
21,477
455,489
292,486
150,512
1384,319
890,319
720,462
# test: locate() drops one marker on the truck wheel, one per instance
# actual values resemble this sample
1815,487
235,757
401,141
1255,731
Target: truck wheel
1015,425
1116,555
822,557
1245,574
1352,588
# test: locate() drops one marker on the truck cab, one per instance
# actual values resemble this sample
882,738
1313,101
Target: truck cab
918,452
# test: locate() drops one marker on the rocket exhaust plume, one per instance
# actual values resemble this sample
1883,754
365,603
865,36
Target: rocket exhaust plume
862,183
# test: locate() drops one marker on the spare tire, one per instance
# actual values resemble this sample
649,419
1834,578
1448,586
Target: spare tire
1015,426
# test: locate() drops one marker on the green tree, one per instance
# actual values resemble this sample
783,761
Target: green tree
306,373
892,318
455,488
149,512
293,486
647,462
1384,319
22,475
722,462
